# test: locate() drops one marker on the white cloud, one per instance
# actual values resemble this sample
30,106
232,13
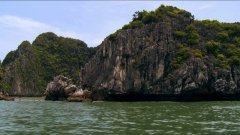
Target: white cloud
205,6
30,26
21,29
22,23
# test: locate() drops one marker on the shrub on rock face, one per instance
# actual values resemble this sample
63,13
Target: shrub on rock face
222,36
133,25
212,47
192,35
149,18
180,35
234,61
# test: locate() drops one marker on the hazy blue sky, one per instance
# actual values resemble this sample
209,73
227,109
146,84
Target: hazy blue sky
89,21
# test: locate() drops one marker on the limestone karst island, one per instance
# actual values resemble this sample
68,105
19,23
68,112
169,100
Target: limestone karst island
161,55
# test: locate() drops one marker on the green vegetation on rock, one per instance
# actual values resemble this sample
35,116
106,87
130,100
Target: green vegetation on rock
223,42
183,54
166,44
172,43
4,87
161,14
33,66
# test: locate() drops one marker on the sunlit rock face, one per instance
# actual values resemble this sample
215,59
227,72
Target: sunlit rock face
168,57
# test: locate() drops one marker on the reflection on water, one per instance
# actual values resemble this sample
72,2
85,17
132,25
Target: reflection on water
36,116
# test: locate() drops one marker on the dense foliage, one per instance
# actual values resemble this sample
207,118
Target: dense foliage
222,44
161,14
4,87
48,56
60,55
199,39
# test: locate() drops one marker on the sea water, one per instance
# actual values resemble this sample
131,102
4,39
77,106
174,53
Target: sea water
29,116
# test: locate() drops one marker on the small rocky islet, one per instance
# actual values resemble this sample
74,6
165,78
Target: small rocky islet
163,54
62,88
5,97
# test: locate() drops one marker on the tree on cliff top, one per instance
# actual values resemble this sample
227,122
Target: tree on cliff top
210,38
141,18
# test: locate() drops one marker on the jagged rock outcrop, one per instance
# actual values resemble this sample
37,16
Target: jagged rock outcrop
5,96
62,88
80,96
28,69
174,56
161,55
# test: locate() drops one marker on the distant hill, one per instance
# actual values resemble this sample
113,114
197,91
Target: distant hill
29,68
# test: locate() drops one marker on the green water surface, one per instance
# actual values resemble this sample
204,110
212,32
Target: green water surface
30,116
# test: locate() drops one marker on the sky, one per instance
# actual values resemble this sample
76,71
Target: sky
90,21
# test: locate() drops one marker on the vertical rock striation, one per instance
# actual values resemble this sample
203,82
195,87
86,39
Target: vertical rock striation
140,62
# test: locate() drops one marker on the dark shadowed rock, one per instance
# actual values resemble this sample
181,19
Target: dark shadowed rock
5,97
62,88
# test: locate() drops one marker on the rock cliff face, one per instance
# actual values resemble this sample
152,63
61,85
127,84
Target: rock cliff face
174,56
22,72
160,55
28,69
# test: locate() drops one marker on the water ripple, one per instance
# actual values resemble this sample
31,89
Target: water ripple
36,116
